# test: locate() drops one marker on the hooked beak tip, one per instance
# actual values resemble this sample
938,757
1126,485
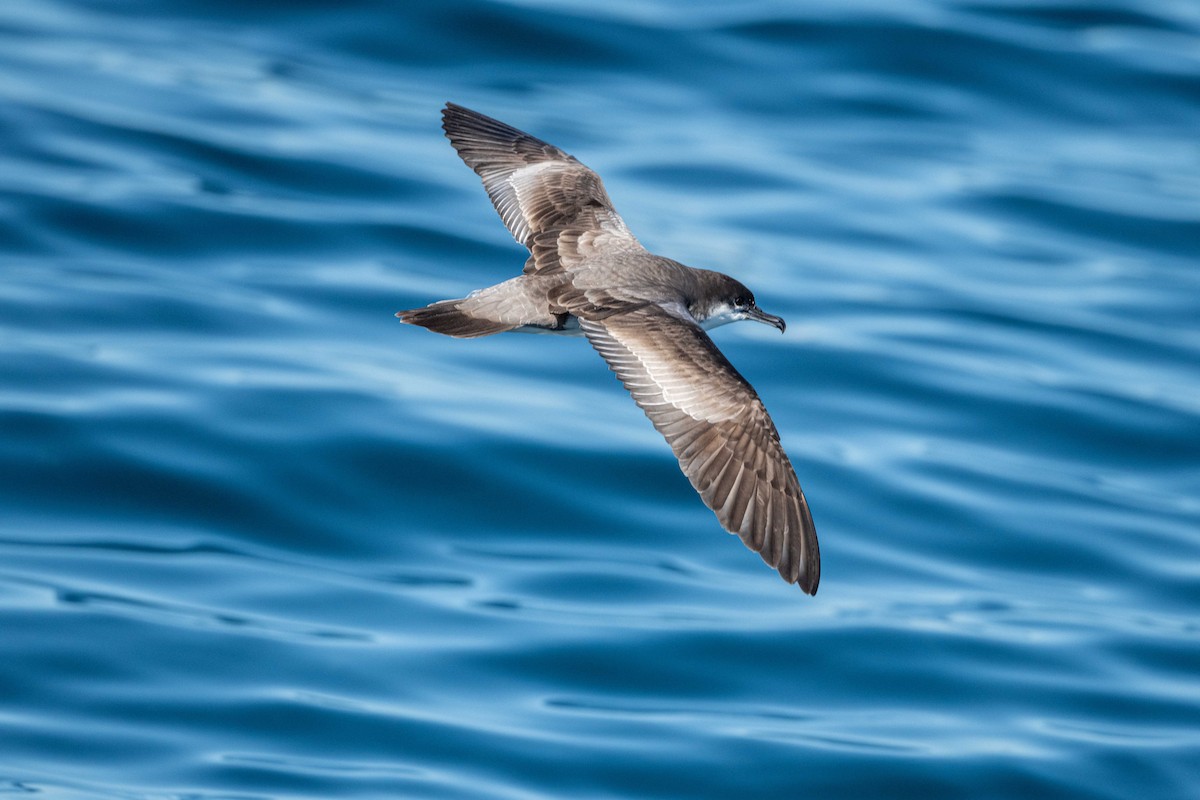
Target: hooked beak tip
758,315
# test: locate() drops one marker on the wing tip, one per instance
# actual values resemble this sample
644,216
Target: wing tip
808,581
452,110
456,117
808,576
460,123
809,567
799,562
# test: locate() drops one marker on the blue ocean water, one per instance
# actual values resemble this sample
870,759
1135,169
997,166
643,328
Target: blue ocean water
259,540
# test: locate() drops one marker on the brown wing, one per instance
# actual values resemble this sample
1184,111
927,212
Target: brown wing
551,203
718,428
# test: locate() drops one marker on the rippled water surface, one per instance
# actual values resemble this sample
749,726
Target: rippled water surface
259,540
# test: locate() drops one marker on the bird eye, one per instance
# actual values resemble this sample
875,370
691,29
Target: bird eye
741,301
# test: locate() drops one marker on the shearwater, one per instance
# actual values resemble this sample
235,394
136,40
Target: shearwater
645,315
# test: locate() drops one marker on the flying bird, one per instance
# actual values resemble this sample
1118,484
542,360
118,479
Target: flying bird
646,315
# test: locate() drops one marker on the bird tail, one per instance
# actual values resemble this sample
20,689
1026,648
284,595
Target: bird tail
449,319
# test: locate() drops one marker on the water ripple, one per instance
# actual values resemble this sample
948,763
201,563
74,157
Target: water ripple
259,540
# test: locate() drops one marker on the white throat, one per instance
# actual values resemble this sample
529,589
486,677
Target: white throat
722,315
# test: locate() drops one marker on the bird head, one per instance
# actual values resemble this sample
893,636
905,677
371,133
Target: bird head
730,301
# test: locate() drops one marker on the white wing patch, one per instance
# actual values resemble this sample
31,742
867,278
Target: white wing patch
660,377
520,183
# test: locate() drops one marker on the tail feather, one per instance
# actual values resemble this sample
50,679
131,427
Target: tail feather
447,318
